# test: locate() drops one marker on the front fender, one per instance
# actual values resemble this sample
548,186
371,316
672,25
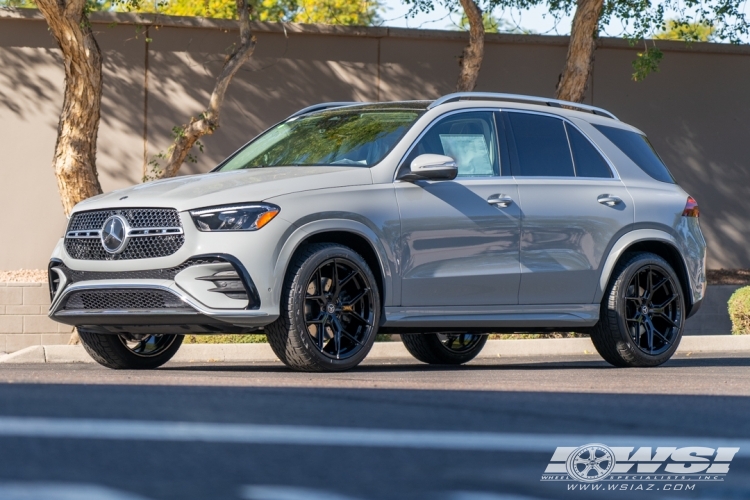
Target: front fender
303,232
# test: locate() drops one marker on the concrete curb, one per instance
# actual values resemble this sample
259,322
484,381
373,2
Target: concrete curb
241,353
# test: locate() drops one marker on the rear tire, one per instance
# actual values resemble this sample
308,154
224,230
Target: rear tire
135,353
444,349
642,314
330,310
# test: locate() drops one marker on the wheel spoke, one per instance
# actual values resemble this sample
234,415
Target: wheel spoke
357,297
350,337
667,318
664,304
357,316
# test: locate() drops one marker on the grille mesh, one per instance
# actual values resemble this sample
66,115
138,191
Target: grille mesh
142,247
123,299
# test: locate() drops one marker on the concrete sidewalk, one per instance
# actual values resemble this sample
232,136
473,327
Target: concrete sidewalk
241,353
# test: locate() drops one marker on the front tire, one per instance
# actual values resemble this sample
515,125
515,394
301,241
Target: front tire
444,348
642,314
135,352
330,310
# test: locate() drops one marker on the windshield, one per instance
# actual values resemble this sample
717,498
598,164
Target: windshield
351,137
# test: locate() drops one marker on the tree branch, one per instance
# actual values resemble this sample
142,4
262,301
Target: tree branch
208,121
580,58
471,59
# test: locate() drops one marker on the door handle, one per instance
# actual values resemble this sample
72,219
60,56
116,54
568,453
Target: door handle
609,200
500,200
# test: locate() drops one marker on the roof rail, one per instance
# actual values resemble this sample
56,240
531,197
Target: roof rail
323,105
459,96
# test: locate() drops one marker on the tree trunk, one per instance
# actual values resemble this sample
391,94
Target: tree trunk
74,162
580,59
471,59
208,121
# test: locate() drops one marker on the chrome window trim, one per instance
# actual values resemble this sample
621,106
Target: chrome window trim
615,174
445,115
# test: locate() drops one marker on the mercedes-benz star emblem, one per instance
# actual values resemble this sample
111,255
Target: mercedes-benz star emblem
115,234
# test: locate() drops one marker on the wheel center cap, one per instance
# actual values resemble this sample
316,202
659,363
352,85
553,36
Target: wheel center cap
644,309
330,308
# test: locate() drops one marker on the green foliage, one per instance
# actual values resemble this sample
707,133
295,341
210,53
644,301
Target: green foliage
346,12
646,63
226,339
739,311
687,32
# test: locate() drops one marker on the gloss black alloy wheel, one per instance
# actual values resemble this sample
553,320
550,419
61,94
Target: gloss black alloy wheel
339,314
444,348
642,313
329,311
147,346
652,310
130,352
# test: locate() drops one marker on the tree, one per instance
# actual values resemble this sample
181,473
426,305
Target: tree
471,58
580,57
74,160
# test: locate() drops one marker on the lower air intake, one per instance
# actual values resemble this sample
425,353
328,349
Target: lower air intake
135,299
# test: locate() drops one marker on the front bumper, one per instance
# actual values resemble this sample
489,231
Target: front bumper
139,302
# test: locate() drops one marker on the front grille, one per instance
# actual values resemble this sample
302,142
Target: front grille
140,247
126,299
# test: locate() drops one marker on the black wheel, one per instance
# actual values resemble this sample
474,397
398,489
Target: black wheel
130,352
444,348
330,308
642,313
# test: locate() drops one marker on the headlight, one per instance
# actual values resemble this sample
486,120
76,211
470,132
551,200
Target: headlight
248,217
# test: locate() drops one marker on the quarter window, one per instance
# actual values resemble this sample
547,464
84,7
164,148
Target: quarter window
640,150
469,138
588,161
541,146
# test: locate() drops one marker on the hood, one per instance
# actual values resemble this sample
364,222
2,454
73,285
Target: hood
220,188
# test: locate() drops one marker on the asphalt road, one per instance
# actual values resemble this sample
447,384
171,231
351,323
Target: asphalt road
387,430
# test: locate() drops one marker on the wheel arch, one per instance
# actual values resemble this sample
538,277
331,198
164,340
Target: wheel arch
648,240
351,234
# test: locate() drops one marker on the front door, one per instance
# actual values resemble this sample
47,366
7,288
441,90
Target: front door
460,238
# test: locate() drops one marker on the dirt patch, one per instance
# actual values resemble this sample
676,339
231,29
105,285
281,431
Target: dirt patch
24,276
728,276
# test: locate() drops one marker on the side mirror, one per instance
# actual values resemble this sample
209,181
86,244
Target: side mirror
431,167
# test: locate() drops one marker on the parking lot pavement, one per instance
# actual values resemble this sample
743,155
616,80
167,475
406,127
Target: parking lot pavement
387,430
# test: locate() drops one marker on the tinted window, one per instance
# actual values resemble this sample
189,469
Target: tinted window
588,161
638,149
469,138
541,146
356,138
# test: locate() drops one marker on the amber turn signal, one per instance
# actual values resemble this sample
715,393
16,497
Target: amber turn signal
691,208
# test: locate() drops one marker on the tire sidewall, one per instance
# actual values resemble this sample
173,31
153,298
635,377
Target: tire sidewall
299,292
626,342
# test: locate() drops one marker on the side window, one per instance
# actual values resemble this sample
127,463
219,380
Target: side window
638,149
469,138
588,161
541,146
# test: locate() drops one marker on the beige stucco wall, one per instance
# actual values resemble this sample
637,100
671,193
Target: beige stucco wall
695,109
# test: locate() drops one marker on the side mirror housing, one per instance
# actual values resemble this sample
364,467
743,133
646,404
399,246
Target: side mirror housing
430,167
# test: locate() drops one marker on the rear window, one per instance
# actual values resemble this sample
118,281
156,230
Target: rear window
638,149
541,145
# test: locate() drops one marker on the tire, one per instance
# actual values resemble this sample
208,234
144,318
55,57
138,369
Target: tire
630,309
433,348
322,326
121,353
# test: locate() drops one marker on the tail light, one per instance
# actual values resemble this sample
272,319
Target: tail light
691,208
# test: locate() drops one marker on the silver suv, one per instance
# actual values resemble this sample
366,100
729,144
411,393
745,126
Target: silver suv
441,221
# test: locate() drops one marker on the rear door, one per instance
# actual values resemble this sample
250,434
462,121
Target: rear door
573,205
460,245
